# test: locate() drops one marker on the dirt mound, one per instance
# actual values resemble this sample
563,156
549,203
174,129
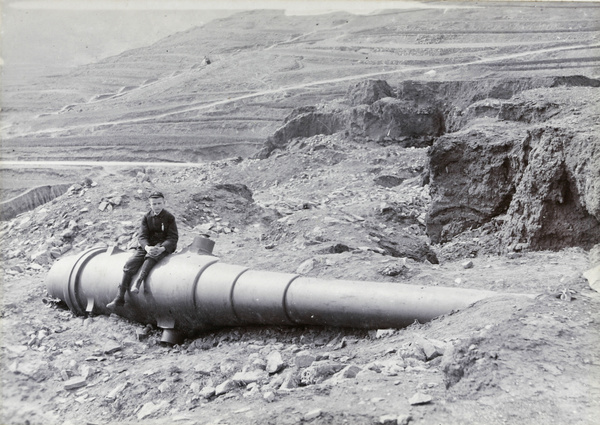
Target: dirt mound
234,201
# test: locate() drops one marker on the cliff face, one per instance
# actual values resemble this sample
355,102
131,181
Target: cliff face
556,197
520,155
529,164
526,164
539,185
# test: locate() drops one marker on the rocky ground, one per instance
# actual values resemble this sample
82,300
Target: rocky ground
318,210
447,180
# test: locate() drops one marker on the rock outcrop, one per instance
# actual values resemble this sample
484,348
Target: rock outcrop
394,120
521,152
370,112
457,99
556,198
540,182
303,122
368,92
472,177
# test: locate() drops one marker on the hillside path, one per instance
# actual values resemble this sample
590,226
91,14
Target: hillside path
193,108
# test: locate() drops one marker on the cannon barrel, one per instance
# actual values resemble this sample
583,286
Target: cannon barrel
192,291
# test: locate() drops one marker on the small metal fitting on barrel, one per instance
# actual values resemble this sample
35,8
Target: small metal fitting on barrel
202,244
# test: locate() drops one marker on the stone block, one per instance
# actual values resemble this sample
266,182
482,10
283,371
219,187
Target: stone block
274,362
304,359
112,347
313,414
419,398
76,382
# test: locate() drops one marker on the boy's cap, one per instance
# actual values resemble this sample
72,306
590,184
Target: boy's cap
156,194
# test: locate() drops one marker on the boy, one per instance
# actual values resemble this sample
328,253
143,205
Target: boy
157,238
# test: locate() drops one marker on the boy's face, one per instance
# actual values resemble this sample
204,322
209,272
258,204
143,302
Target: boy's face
157,205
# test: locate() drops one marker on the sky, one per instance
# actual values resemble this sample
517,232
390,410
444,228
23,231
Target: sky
51,36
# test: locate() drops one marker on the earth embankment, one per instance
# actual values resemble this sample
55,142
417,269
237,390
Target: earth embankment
31,199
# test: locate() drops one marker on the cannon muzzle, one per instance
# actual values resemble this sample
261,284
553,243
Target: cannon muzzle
192,291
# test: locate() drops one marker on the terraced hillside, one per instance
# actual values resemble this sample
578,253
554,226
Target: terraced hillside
221,89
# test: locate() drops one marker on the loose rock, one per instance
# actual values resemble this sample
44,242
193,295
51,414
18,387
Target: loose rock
420,398
76,382
274,362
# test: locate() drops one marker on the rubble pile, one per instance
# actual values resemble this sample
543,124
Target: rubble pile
277,364
106,211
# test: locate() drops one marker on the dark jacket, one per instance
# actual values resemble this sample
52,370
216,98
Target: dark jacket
159,229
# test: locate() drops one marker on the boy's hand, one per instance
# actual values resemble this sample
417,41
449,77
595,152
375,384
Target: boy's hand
155,250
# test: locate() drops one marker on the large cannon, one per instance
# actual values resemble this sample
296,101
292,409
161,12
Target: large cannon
192,291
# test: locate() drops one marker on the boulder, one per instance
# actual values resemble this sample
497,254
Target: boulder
368,92
275,362
304,359
404,244
319,371
398,121
303,125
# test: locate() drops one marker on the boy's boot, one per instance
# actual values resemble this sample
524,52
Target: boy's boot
135,288
119,299
144,271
